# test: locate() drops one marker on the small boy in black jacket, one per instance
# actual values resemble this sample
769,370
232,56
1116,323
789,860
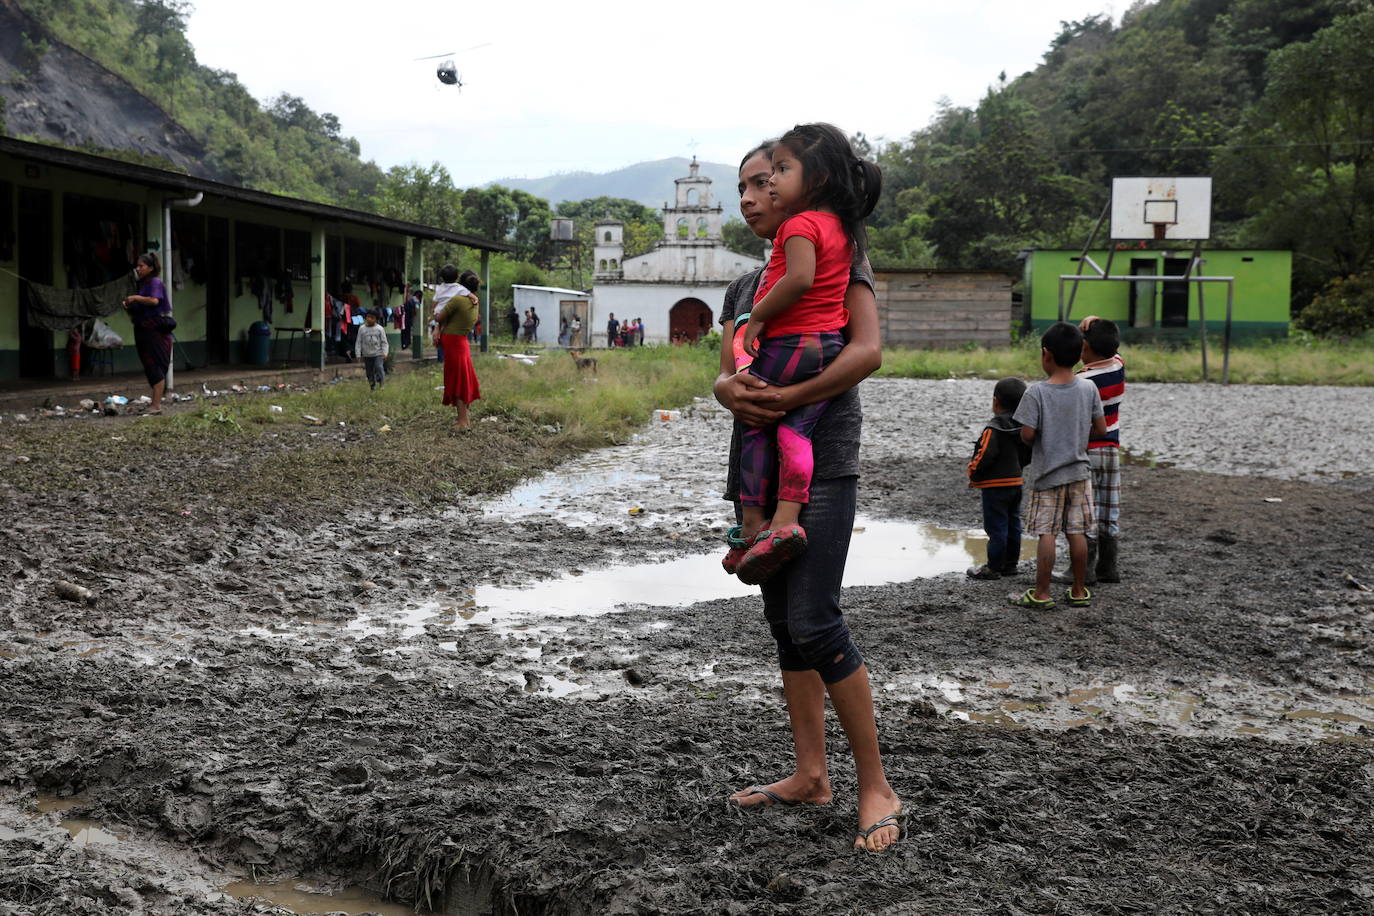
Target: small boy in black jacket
995,469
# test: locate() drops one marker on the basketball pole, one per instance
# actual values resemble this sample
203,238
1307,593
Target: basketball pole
1196,265
1078,270
1226,340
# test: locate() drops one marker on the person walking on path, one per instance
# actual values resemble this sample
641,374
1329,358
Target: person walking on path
151,313
455,309
612,329
801,604
373,348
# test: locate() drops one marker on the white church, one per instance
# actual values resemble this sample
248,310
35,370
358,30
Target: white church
676,289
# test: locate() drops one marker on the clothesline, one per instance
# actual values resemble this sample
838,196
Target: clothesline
56,309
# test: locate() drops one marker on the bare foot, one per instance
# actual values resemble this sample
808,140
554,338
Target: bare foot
795,790
873,807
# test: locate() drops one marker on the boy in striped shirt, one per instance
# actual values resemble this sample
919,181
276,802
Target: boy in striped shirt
1103,366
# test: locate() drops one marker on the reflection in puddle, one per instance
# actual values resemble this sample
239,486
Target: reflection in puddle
298,897
83,832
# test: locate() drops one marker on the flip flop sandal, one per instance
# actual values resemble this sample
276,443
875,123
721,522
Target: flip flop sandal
897,819
773,798
1027,599
1082,601
738,548
772,551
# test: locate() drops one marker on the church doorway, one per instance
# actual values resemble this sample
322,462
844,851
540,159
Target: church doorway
689,320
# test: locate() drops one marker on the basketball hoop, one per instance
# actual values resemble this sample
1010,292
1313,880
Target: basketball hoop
1161,214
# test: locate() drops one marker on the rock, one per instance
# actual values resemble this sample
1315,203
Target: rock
73,592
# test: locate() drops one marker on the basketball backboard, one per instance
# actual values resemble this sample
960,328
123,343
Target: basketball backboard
1161,208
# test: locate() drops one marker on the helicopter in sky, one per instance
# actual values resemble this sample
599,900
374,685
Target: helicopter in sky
447,71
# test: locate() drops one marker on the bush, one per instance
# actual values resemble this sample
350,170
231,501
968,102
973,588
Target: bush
1345,309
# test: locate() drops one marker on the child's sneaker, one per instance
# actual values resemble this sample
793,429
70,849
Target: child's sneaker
772,550
738,548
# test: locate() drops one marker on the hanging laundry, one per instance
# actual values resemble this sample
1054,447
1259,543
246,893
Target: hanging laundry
62,309
263,287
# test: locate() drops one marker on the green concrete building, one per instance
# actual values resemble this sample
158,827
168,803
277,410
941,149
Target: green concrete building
75,220
1150,306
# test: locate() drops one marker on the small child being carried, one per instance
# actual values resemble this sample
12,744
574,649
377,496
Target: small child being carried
793,332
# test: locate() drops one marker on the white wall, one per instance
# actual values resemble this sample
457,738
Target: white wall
651,302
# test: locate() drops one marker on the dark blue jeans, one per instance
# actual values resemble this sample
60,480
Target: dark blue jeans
1002,522
802,602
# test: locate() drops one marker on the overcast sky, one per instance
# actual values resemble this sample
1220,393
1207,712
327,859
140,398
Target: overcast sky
568,86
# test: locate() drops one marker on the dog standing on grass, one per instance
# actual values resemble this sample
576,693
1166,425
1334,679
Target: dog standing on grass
583,362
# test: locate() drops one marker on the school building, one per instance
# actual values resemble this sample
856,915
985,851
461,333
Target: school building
1156,304
237,258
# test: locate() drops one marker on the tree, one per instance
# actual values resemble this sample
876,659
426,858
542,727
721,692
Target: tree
1310,183
1002,193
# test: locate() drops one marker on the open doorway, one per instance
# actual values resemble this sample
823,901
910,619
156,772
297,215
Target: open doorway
689,320
36,264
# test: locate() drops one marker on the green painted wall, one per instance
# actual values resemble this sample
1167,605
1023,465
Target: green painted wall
190,299
1261,297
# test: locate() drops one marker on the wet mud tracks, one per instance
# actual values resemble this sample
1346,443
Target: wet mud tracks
403,702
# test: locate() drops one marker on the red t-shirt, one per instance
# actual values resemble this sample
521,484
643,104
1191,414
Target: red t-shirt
821,308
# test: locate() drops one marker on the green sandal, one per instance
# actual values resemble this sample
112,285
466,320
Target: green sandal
1028,600
738,548
1082,601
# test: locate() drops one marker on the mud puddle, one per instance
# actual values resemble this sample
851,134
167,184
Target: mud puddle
307,900
1217,708
135,848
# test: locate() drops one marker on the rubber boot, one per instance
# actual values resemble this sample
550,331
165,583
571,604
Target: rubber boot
1090,570
1106,561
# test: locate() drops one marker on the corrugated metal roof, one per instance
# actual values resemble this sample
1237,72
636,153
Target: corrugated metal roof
59,157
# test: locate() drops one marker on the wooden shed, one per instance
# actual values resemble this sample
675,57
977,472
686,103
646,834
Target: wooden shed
944,308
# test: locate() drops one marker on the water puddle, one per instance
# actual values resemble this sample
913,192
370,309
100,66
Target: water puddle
1145,459
84,832
1236,707
302,898
881,552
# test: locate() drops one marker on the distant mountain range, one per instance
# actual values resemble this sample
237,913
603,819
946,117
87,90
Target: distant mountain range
650,183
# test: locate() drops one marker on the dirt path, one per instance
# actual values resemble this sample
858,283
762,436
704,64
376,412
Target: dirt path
324,697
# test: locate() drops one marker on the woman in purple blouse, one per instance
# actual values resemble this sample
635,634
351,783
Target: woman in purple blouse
145,311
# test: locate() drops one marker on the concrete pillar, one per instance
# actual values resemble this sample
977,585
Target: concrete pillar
417,272
486,298
318,262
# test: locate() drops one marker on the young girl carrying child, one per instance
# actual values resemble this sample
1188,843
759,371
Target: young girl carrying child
794,331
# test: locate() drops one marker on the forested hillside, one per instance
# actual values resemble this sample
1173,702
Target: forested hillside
1273,98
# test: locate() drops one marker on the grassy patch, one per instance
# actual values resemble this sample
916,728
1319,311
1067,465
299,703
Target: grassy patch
1300,360
341,443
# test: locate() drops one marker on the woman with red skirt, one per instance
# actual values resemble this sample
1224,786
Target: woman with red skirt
455,309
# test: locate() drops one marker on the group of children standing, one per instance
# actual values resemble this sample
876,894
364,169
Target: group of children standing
1068,429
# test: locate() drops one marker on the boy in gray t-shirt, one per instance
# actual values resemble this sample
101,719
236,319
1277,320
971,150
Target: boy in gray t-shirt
1057,416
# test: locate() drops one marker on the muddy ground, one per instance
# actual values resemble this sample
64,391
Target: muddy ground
323,695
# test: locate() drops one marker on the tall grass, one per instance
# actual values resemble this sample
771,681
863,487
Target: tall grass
338,443
1299,360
